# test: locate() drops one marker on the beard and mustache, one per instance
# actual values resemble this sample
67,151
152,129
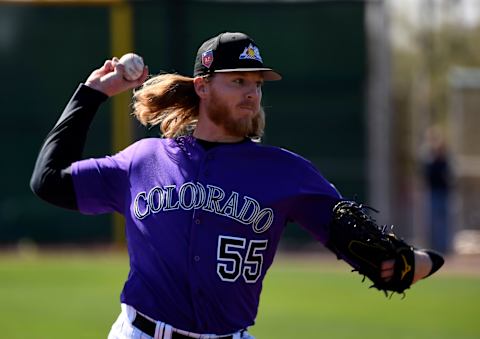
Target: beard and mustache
246,126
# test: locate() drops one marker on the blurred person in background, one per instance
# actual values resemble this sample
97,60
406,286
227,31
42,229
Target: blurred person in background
437,175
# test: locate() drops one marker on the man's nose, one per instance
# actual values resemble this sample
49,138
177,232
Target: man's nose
253,92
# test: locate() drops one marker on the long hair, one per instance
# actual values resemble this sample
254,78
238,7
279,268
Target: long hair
170,101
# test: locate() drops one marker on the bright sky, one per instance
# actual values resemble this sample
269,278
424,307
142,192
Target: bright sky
471,11
429,12
466,11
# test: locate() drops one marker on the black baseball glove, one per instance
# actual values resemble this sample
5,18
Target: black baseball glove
357,239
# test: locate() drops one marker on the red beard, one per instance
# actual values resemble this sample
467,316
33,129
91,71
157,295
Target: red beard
221,115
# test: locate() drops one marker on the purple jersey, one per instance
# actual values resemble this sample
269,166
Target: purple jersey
202,227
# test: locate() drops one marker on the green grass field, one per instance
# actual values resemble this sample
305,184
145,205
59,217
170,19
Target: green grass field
76,296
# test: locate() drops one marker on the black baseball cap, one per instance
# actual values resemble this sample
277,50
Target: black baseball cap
231,52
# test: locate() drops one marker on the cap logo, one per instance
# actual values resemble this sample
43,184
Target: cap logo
251,52
207,58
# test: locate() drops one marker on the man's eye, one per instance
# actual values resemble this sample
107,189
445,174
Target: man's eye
259,83
238,81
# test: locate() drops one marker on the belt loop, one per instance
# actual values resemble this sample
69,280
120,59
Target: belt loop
159,330
167,334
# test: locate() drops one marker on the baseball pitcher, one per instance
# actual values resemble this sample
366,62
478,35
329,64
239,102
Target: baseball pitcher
206,204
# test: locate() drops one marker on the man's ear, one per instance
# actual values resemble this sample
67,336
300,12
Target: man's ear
201,86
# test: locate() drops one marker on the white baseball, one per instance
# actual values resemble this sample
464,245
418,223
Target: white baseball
133,64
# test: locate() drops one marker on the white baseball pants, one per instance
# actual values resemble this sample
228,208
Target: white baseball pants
123,329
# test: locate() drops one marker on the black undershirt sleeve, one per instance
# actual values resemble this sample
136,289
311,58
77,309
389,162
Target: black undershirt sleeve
52,177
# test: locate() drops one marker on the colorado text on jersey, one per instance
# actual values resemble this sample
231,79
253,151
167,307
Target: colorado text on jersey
209,198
